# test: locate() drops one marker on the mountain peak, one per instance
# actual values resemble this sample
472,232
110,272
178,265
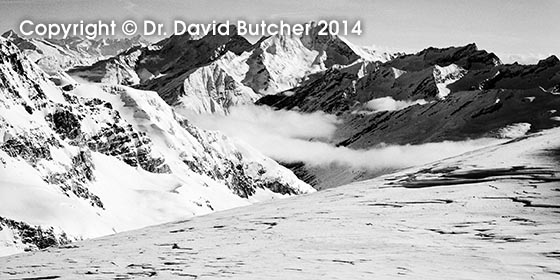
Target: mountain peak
468,57
549,61
466,49
471,46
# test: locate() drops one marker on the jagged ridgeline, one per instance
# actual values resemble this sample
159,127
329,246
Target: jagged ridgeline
79,161
54,55
213,73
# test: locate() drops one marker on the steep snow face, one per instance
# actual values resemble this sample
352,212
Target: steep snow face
279,63
445,76
336,50
209,89
487,214
86,160
275,64
397,72
54,55
368,53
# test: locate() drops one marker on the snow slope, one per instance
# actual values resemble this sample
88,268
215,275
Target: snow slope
445,76
82,161
487,214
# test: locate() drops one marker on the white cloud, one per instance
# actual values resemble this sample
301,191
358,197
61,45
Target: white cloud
290,136
390,104
260,121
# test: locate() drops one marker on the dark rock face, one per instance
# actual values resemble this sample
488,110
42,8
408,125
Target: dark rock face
35,237
545,74
241,184
131,146
461,116
332,91
68,87
28,147
467,57
278,187
66,124
301,172
231,174
338,91
76,178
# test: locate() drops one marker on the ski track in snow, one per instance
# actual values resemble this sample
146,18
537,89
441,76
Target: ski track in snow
492,214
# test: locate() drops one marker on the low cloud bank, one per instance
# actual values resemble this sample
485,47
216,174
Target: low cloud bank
390,104
261,121
290,136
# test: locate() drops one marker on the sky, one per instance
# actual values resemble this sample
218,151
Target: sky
513,29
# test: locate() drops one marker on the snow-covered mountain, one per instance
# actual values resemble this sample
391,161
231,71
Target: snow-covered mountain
278,63
273,64
424,75
84,160
435,95
212,73
335,50
55,55
487,214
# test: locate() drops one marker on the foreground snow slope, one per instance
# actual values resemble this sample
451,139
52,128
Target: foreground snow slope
491,213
